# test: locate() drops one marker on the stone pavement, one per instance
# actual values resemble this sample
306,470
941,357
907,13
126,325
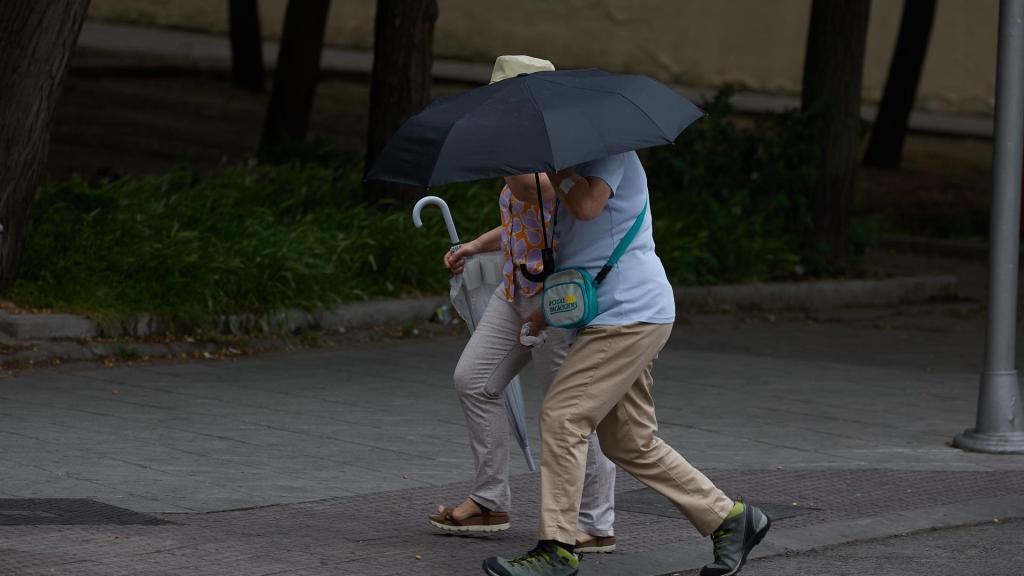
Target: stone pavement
991,548
326,461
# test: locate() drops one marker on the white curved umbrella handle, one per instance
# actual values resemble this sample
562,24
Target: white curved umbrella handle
445,213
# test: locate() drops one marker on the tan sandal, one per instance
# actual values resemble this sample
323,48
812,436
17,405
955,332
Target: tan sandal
596,545
484,522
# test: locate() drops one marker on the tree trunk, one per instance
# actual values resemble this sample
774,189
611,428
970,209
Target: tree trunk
298,66
833,69
36,42
885,147
402,63
246,45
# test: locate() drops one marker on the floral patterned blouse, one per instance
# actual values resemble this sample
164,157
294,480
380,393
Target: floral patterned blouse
522,242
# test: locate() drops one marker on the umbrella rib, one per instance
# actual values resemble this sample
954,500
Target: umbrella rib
544,120
644,112
440,153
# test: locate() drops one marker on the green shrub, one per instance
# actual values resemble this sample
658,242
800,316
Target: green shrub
731,201
251,239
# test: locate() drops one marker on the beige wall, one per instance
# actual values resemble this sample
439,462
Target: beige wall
758,43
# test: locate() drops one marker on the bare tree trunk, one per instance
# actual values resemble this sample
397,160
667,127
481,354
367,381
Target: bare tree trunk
298,67
833,70
885,147
246,45
36,42
402,63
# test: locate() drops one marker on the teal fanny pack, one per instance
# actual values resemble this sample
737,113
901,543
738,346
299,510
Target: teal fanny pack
570,294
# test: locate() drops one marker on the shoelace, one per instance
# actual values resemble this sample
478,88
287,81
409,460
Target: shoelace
718,539
532,557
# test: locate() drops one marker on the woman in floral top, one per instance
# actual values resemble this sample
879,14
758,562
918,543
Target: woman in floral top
494,355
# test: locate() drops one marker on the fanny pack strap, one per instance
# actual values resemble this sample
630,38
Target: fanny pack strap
621,248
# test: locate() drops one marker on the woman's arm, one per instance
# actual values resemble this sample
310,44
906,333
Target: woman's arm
486,242
524,187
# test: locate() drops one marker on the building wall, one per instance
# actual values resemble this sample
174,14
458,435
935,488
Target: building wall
704,43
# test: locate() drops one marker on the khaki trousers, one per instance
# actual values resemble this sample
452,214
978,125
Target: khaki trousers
605,385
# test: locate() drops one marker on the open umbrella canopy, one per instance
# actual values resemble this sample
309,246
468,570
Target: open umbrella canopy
538,122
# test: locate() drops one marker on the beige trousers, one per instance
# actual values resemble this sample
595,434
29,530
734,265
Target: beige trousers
605,385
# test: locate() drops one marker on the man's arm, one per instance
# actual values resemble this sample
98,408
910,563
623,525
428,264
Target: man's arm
587,196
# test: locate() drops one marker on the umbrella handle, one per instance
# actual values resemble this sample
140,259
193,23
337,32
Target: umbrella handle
445,213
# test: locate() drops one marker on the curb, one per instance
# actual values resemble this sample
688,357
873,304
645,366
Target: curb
964,249
45,326
341,318
818,294
344,317
40,353
777,296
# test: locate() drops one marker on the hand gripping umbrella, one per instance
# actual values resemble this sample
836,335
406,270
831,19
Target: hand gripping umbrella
540,122
470,291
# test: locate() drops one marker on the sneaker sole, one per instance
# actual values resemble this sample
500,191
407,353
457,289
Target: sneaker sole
479,529
489,573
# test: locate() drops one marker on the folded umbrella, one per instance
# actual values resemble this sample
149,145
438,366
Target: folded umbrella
470,293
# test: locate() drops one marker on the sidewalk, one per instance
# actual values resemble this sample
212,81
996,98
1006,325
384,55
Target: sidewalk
990,548
327,461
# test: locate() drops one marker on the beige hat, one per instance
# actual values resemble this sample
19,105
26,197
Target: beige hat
512,66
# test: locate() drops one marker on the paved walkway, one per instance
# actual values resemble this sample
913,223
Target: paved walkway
326,461
991,548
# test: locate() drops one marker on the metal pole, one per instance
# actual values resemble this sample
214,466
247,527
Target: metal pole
1000,425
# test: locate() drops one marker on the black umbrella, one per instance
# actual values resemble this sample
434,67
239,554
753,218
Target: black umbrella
537,122
540,122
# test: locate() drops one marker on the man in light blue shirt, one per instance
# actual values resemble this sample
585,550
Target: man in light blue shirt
605,382
637,289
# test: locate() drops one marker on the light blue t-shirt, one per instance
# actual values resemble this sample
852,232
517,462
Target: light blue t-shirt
637,289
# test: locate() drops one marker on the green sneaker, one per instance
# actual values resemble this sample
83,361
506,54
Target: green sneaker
735,538
546,559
